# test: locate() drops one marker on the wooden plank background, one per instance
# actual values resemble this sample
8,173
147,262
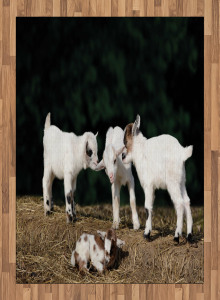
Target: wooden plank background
9,9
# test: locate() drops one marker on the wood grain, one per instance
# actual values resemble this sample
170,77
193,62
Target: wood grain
8,12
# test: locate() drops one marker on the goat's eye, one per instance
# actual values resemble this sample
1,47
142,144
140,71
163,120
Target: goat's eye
123,155
89,152
114,161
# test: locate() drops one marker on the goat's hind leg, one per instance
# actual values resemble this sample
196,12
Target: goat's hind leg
47,190
175,194
50,192
188,213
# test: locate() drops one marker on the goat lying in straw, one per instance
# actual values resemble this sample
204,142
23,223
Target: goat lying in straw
101,249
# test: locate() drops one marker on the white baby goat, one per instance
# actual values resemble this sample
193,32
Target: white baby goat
160,163
118,173
101,249
65,155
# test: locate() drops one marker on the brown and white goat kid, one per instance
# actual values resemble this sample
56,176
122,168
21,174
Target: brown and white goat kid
101,249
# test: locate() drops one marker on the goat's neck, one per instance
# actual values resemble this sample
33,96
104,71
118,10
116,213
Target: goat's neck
80,150
138,148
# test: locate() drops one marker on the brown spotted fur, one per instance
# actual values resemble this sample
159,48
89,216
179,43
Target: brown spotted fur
76,255
113,255
111,235
99,242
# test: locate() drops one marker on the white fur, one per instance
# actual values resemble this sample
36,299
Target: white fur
159,162
97,256
118,173
64,157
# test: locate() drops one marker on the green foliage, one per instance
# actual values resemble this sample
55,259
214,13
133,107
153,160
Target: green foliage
95,73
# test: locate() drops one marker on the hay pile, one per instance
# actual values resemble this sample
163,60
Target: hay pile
45,244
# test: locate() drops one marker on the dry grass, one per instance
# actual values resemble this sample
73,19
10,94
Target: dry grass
45,244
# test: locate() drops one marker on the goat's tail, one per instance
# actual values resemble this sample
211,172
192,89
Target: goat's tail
73,261
47,121
187,152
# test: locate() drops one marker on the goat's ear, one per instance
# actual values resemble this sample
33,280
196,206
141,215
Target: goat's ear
96,134
120,243
136,125
111,235
109,135
100,166
102,234
120,151
87,145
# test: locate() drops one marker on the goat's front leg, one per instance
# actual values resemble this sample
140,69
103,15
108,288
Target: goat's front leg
68,197
73,202
115,204
136,224
99,266
149,198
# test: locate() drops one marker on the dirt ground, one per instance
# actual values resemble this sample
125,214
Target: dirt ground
45,244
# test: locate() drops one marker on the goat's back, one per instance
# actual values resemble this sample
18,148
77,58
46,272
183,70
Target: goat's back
57,145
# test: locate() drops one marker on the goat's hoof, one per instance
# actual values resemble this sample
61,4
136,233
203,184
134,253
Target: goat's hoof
136,226
147,237
70,218
176,240
189,238
115,226
48,212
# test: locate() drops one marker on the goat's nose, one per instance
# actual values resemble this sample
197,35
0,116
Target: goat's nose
111,177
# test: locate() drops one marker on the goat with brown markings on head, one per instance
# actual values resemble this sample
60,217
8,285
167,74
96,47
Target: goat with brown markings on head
160,163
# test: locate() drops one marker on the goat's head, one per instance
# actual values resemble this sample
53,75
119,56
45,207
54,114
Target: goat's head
111,245
91,157
131,130
110,156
